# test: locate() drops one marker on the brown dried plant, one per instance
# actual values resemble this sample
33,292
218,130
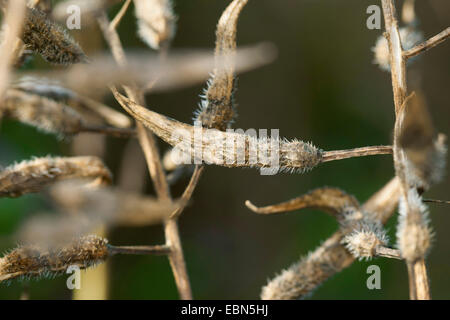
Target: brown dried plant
61,102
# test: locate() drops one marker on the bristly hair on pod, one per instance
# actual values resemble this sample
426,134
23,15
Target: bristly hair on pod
217,106
40,112
41,261
414,235
53,90
51,41
32,176
156,22
365,237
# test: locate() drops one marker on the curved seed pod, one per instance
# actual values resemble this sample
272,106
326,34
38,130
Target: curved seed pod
217,108
229,149
303,277
32,176
38,261
331,200
51,41
156,22
237,149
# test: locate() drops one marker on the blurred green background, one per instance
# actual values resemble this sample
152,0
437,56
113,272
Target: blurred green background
324,88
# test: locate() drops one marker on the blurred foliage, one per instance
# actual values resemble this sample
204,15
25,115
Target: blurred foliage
322,88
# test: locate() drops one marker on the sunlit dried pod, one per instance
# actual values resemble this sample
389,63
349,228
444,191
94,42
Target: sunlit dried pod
414,235
364,235
48,261
238,149
40,261
53,90
32,176
217,108
156,21
303,277
409,37
50,40
331,200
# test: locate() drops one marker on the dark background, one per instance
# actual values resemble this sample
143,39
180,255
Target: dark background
323,87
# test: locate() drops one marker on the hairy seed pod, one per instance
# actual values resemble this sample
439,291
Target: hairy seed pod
229,149
50,40
53,90
32,176
303,277
414,235
156,22
363,235
37,261
217,107
40,112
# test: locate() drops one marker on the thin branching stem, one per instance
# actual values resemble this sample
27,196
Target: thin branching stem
158,176
430,43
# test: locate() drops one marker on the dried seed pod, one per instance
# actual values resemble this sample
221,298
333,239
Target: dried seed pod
302,278
409,37
40,261
217,107
229,149
53,90
331,200
32,176
40,112
421,157
50,40
156,22
364,235
414,235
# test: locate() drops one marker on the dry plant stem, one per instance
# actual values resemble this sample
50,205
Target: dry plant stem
110,131
430,43
14,17
148,145
188,192
436,201
388,253
398,63
356,152
417,276
154,250
115,22
419,287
